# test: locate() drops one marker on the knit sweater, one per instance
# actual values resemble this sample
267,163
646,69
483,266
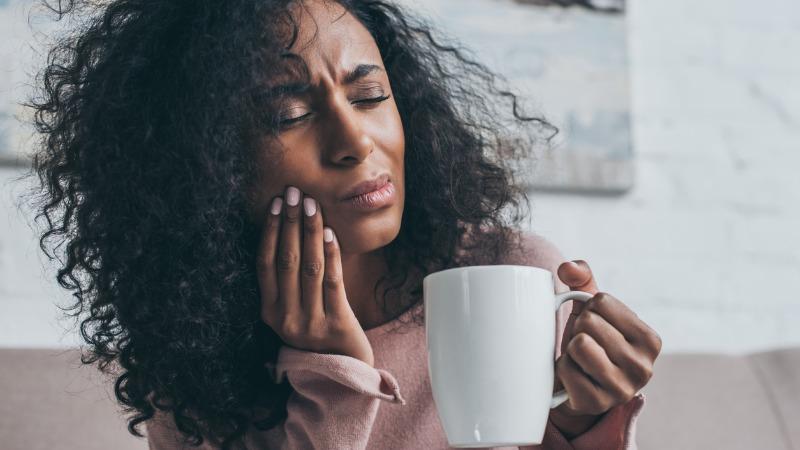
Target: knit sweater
340,402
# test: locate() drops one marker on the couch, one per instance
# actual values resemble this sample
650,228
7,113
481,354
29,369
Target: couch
694,401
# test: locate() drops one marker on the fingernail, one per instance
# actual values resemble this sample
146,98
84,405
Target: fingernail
292,196
276,205
327,234
574,264
310,206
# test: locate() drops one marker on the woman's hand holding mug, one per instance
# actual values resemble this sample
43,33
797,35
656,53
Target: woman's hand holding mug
607,354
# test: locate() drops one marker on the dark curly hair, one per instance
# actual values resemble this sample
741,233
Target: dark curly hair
145,161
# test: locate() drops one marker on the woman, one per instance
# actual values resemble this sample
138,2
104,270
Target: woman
206,156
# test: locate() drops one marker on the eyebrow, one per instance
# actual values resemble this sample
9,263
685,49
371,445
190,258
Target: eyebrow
359,72
295,89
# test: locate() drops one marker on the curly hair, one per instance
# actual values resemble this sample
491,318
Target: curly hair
144,157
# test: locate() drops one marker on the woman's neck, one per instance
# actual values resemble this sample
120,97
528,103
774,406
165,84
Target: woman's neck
361,272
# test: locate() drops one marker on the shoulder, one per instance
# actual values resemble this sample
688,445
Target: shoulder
527,248
535,250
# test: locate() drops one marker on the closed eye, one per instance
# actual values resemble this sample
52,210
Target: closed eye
374,100
293,120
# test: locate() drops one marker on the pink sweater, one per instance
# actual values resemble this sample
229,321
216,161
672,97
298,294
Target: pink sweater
343,403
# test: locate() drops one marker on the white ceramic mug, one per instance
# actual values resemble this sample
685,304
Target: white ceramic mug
490,334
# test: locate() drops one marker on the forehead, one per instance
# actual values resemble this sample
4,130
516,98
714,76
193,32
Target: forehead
331,40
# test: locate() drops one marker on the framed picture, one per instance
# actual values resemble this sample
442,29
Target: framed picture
569,59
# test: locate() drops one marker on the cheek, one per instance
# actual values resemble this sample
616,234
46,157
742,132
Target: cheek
276,171
390,135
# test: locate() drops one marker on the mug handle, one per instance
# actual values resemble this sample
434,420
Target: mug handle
561,396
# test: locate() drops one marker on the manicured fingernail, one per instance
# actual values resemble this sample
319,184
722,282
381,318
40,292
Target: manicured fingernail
292,196
276,206
327,234
310,206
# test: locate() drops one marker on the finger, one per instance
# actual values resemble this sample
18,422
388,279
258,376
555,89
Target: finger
288,263
584,395
594,361
627,322
265,264
332,283
569,327
313,264
579,277
620,352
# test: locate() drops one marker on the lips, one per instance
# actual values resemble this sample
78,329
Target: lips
366,186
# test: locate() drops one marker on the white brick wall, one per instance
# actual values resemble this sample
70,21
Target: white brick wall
27,285
705,248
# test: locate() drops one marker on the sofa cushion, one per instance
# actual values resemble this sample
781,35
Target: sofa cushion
53,402
779,371
708,401
694,401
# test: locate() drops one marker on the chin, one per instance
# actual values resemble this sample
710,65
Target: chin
368,235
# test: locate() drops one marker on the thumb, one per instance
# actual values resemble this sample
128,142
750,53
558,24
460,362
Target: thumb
578,276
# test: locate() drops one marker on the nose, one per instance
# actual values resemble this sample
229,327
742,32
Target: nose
347,141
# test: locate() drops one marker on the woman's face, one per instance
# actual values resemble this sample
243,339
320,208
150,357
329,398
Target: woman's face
341,136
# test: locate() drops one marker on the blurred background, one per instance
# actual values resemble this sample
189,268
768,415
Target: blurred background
703,242
689,211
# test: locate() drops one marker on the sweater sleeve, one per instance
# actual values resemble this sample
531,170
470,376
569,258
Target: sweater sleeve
617,428
335,399
333,405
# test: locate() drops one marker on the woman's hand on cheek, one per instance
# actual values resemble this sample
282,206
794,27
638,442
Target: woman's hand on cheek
300,278
607,354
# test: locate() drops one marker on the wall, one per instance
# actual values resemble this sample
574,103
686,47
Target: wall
705,248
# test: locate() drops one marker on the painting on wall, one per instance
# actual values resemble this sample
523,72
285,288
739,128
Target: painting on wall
569,58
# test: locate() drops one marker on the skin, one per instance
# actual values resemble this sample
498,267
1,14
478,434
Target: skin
607,354
341,142
318,295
